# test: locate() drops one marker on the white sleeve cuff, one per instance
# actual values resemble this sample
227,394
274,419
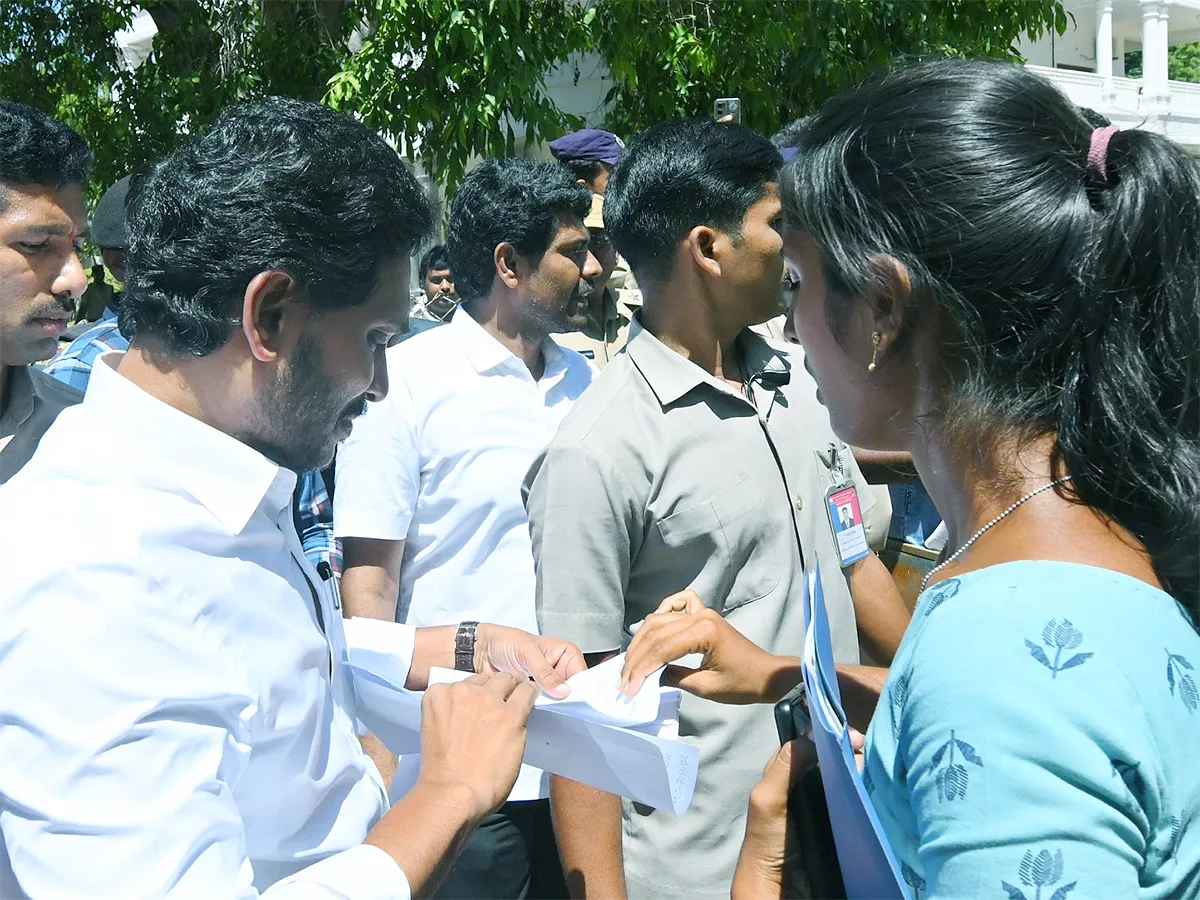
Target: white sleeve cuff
357,522
382,648
361,873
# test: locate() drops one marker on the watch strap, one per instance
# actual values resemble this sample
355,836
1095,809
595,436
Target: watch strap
464,647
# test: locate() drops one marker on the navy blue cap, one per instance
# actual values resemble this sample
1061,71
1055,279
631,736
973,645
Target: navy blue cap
108,219
590,144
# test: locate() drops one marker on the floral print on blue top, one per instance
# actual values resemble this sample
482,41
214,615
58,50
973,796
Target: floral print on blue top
1035,742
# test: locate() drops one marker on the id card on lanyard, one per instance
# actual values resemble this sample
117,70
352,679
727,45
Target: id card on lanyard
845,511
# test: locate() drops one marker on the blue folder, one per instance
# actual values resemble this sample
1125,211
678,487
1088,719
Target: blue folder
869,868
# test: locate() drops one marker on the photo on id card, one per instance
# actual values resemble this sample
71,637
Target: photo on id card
846,519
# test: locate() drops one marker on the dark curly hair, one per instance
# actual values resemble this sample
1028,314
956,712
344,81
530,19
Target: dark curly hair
512,200
36,149
277,183
1069,303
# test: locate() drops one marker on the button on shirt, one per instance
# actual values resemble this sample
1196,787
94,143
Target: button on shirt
175,721
439,464
665,478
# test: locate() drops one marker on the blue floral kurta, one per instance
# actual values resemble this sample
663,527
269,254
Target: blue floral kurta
1039,738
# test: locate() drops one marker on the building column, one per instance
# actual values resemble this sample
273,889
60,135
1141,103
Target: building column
1153,50
1104,51
1164,43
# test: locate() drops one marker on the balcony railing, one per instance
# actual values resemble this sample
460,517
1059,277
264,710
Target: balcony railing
1127,106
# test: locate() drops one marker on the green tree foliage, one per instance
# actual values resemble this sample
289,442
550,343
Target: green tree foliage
450,79
1183,63
454,77
672,57
60,56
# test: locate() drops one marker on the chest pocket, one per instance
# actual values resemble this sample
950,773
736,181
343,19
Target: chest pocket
719,540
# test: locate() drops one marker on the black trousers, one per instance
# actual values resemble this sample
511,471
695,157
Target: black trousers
511,856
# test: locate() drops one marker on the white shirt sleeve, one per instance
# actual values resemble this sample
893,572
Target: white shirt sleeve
125,735
360,873
379,469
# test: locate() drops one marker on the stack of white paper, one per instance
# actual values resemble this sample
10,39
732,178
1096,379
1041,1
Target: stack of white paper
624,745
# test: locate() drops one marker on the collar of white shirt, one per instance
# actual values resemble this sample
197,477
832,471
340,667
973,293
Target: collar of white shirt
485,353
230,479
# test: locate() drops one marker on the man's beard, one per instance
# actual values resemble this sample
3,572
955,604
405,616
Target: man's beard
540,320
296,423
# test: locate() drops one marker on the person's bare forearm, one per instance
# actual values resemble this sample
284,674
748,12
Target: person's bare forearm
587,824
385,760
431,647
879,609
424,833
886,466
860,687
371,579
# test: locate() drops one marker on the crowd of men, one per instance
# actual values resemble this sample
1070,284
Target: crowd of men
518,466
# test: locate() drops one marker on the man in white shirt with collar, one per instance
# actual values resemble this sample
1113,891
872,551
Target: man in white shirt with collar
177,716
428,498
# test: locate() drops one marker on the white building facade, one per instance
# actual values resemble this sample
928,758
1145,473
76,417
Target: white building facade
1088,63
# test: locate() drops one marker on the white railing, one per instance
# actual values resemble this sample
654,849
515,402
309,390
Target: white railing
1185,98
1087,89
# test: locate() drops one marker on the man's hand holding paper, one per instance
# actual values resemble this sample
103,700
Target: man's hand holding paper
591,732
549,661
473,736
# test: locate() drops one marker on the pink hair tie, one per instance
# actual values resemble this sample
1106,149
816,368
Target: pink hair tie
1097,158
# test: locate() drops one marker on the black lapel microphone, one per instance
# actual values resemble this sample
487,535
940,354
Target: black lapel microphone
772,378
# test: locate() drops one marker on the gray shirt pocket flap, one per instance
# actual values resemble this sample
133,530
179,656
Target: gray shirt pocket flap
710,516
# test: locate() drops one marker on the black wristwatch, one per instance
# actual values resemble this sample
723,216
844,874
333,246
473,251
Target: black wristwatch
464,647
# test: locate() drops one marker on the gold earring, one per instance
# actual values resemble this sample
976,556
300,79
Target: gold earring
876,337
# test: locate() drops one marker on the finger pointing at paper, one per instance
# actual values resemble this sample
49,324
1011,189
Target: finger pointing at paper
733,670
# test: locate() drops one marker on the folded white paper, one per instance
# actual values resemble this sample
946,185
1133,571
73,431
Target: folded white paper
391,713
626,746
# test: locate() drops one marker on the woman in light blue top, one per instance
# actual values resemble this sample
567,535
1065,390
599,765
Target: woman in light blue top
1009,288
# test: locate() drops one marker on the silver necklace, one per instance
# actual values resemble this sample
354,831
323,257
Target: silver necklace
980,533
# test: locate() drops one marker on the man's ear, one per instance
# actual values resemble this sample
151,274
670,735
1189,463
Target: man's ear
505,259
270,303
889,298
700,244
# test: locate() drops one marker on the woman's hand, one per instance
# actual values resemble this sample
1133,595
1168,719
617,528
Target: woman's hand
763,862
734,669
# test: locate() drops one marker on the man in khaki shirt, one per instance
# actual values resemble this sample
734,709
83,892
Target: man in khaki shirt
700,458
44,167
600,328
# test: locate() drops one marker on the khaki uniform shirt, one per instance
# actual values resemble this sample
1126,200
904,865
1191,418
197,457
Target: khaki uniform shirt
600,341
663,478
34,401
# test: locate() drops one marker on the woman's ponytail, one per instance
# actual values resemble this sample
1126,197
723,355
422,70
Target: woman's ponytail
1129,428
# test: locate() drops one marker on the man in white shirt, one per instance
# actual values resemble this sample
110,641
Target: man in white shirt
178,717
428,498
